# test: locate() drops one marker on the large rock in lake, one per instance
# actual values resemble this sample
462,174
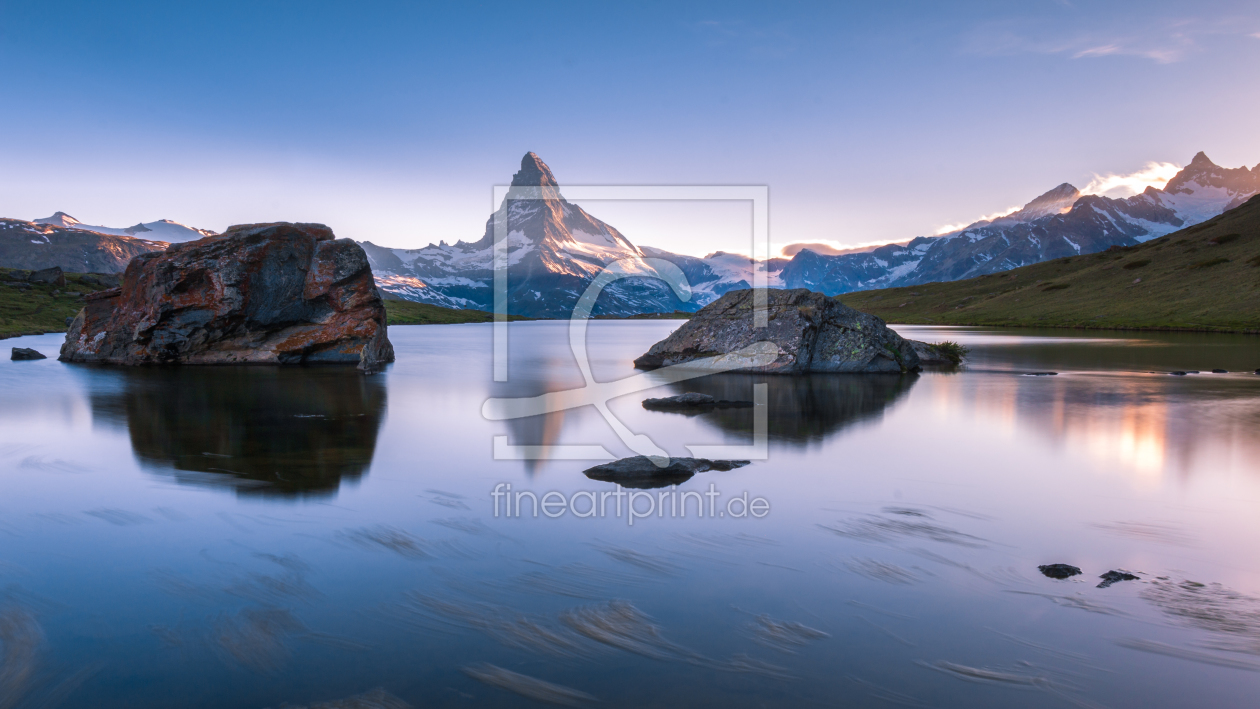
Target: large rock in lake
257,294
813,333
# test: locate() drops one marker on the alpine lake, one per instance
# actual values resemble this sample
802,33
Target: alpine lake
303,537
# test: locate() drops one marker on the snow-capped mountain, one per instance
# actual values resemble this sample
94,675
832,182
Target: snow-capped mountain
161,230
38,245
555,249
1059,223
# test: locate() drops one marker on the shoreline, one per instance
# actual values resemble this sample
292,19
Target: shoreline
1123,328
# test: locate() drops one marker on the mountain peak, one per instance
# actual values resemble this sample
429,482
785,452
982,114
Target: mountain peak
534,173
1063,191
1055,201
60,219
1203,172
1200,160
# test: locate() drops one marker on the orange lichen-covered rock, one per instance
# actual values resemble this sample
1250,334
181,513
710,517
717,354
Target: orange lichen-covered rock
257,294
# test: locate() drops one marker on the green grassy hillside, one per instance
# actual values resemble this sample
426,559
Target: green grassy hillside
405,312
1206,277
36,308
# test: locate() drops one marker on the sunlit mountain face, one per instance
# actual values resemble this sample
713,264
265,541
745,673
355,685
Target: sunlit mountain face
555,248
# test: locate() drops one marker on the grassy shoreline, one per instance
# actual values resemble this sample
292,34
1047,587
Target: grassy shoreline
406,312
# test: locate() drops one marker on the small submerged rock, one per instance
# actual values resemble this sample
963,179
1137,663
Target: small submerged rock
1059,571
642,472
939,354
25,353
1115,577
692,401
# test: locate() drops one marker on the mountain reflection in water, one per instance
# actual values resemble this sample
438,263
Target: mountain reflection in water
261,430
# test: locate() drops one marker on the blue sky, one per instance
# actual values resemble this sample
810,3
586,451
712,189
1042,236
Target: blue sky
392,121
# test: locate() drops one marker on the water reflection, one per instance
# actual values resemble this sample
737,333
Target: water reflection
261,430
1151,425
802,408
1113,399
532,377
902,546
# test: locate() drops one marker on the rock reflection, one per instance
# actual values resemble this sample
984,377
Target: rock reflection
802,408
261,430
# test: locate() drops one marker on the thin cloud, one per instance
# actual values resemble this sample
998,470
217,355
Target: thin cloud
1154,174
1162,56
947,228
829,247
1161,41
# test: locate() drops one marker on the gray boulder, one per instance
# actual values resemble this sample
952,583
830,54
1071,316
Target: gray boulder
52,275
25,353
811,331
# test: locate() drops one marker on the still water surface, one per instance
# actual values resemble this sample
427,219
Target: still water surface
262,538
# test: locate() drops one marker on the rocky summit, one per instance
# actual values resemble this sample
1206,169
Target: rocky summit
812,333
257,294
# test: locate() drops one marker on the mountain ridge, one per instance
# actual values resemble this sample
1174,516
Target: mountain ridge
1204,277
1091,223
556,247
35,245
169,231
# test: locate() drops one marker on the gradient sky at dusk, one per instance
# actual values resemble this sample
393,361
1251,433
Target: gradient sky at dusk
392,121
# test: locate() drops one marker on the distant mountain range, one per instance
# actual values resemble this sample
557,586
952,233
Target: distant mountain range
61,240
1059,223
161,230
37,245
556,248
1203,277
